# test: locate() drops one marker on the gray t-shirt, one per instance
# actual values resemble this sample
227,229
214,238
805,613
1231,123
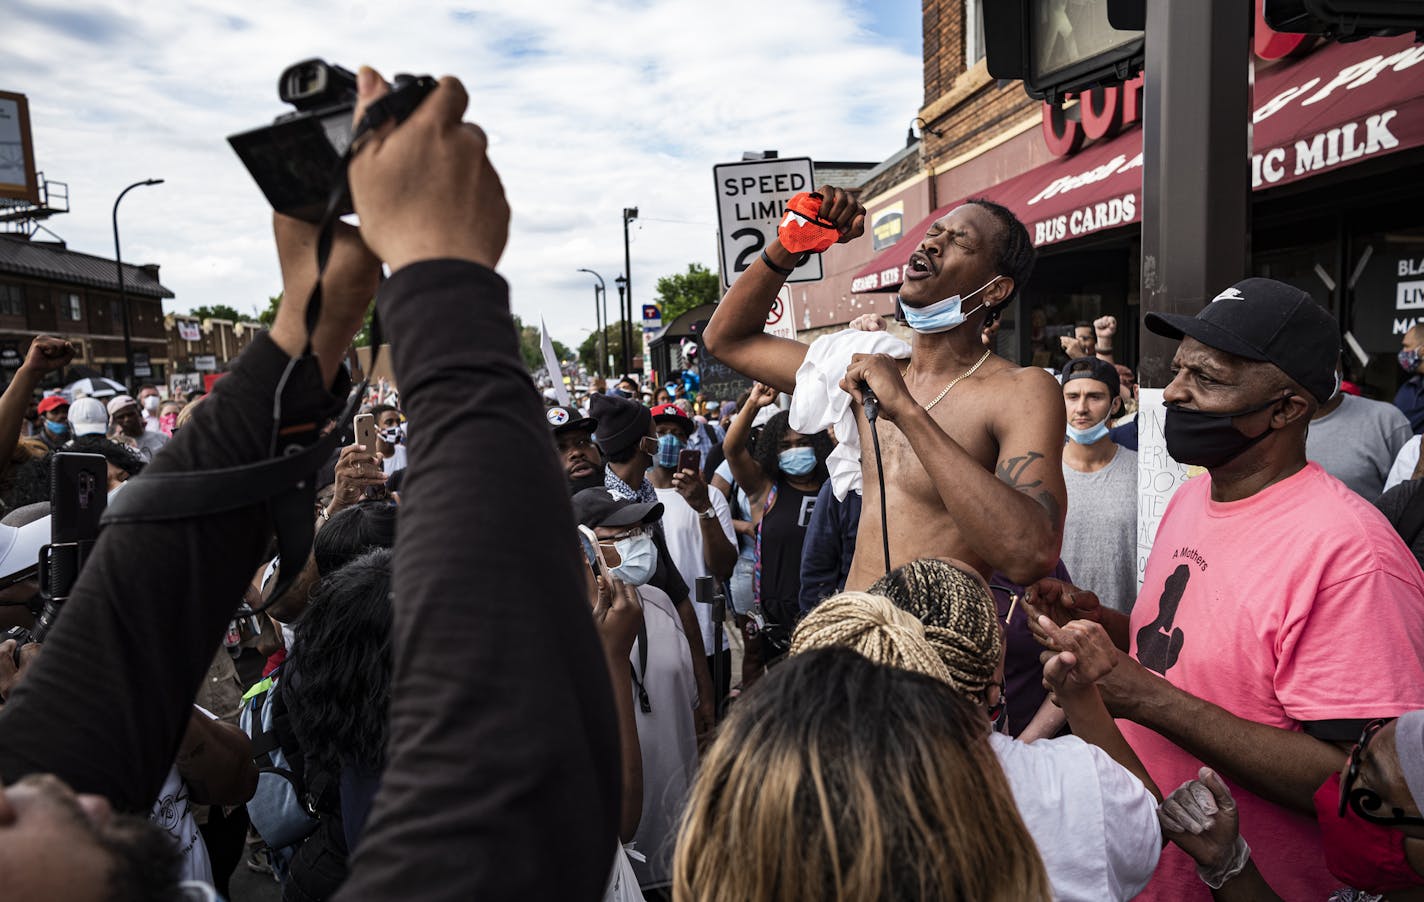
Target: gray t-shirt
1357,443
1100,530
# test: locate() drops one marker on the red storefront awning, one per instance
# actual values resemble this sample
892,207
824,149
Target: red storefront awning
1341,104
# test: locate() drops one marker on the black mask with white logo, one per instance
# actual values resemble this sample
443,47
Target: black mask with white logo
1201,439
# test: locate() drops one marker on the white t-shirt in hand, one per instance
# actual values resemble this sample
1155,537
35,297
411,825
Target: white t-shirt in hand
667,734
683,532
1094,823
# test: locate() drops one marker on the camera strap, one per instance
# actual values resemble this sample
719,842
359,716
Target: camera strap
284,482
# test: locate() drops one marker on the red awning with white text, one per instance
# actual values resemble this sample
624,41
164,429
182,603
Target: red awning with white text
1342,104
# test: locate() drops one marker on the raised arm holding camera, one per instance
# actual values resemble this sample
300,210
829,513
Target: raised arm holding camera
491,775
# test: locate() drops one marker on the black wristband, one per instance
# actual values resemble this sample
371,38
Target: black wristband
772,266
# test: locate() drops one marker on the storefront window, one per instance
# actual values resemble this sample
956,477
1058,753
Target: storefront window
1386,285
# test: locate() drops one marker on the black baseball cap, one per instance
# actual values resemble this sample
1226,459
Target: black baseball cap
1262,319
1094,368
568,419
600,507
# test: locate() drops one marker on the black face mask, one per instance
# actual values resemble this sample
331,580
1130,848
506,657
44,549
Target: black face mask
1201,439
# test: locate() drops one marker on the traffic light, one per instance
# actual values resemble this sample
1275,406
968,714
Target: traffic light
1345,20
1057,46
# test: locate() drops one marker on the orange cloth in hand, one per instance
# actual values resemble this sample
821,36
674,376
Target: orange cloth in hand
802,229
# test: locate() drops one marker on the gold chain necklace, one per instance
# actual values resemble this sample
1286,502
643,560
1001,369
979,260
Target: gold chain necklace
953,382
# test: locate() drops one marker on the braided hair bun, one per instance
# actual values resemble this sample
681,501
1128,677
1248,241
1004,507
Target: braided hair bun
961,621
873,627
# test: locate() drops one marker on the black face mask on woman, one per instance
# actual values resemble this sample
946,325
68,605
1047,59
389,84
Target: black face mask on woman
1201,439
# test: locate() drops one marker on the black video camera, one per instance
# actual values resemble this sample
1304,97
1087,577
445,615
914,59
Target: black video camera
297,160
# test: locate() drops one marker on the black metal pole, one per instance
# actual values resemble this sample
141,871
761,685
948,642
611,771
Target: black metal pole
123,296
624,363
1196,156
629,214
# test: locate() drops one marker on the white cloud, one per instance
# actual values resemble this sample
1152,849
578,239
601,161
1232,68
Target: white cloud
590,107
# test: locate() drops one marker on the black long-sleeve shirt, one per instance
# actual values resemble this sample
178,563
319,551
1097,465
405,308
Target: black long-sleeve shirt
502,775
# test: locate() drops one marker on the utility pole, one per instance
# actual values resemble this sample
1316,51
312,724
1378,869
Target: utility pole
625,361
123,296
1196,163
629,214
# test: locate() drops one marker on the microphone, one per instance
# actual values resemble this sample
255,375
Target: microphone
868,401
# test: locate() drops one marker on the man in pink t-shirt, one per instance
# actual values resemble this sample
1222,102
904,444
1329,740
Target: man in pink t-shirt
1279,611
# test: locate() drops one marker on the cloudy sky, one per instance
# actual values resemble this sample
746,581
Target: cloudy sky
590,107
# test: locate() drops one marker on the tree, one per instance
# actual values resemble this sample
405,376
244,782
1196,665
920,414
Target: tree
530,349
269,316
591,347
217,311
680,293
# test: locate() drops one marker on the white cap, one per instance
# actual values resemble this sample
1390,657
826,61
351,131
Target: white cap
87,416
20,546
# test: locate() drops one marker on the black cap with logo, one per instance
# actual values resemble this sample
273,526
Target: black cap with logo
1262,319
568,419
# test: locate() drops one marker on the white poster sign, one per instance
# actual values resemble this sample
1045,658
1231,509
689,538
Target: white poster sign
1158,475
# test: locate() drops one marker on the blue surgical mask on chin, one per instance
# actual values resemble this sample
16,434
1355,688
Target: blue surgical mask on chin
1089,435
669,447
941,316
797,461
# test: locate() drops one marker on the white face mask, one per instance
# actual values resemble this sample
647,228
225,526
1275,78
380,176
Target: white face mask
151,403
639,559
941,316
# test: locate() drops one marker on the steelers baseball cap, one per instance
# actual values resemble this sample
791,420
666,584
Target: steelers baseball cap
568,419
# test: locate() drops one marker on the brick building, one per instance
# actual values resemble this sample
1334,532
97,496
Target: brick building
199,347
47,288
1337,131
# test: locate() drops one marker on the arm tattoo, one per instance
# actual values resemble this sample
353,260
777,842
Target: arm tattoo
1012,472
1013,469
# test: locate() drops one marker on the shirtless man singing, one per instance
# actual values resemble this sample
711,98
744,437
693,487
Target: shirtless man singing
972,444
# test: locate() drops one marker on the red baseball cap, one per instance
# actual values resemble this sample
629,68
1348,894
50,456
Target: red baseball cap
52,402
671,413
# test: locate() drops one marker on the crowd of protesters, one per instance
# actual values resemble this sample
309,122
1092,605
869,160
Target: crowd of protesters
469,652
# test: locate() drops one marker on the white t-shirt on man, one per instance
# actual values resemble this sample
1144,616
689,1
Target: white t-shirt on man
667,734
1094,823
173,811
683,532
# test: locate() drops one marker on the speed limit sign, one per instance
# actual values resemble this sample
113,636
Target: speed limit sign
751,199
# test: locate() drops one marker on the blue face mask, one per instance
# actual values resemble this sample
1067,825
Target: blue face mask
797,461
1089,435
941,316
669,447
56,429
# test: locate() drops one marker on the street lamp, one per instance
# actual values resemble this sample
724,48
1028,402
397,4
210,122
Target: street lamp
123,297
629,214
600,290
624,343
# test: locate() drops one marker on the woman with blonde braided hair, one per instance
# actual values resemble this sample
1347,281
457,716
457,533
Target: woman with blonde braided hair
874,627
837,778
1094,819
